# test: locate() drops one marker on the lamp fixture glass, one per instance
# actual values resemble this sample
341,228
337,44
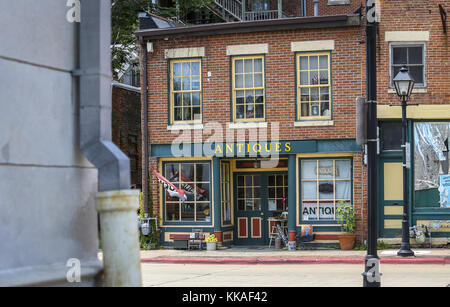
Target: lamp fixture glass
403,83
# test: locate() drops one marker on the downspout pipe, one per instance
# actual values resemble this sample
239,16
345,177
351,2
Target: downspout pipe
144,87
116,203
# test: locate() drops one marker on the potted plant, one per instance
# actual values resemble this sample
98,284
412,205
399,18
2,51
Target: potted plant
345,215
211,243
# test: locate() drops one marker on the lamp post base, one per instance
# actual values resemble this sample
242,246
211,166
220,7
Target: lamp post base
405,252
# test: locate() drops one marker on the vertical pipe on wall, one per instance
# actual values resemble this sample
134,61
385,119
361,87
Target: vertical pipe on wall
292,197
216,203
144,89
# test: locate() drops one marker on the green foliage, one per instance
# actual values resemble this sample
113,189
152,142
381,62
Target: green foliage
380,246
346,216
125,22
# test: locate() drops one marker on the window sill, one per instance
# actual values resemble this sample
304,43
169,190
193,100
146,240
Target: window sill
314,123
414,91
247,125
178,127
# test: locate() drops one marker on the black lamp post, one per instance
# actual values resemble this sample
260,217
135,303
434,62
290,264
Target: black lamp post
404,85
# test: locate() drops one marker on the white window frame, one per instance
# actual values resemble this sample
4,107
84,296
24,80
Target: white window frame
407,44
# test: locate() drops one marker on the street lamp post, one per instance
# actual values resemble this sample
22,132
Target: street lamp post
403,86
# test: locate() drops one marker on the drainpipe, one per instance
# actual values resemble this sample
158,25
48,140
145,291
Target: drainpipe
144,91
116,204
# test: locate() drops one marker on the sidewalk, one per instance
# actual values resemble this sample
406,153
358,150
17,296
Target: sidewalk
242,255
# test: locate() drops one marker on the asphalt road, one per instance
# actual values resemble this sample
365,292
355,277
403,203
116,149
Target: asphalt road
316,275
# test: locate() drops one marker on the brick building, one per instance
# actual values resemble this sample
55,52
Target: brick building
226,99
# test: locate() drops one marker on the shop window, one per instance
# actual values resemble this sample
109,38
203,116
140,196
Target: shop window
313,86
194,179
413,57
225,192
185,91
431,165
324,182
277,187
249,192
391,135
248,88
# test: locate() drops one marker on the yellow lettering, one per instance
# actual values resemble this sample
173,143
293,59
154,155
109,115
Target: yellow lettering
278,147
240,147
270,147
248,147
287,147
218,149
258,150
229,148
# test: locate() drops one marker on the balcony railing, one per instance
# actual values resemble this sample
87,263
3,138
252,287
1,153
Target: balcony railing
233,7
261,15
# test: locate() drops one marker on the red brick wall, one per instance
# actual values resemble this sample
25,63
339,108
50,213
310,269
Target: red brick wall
126,128
325,9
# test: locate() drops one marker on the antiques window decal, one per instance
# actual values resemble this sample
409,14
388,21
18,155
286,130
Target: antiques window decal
324,182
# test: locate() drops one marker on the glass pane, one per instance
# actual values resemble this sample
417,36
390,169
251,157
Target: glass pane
315,109
186,83
177,84
314,76
309,169
173,212
280,205
314,94
170,198
323,62
248,80
324,77
177,99
239,81
259,111
172,172
326,169
258,65
203,212
249,97
187,212
259,96
343,169
202,172
249,181
343,190
248,66
238,66
399,55
416,73
326,211
186,99
279,180
279,192
325,109
196,68
324,94
186,69
197,113
240,180
271,192
249,205
257,204
178,114
309,190
415,55
195,83
196,99
313,62
326,190
303,63
271,180
187,172
203,191
391,135
240,111
250,111
241,205
258,80
177,69
304,78
305,94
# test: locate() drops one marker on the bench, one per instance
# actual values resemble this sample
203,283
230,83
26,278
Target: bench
187,240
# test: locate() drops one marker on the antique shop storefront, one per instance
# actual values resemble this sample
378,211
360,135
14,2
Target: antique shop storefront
236,190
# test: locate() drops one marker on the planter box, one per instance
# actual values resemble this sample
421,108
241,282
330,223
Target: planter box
211,246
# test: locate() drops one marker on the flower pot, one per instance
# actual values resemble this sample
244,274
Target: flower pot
211,246
347,241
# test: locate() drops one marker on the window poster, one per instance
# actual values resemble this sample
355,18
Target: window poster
444,191
272,205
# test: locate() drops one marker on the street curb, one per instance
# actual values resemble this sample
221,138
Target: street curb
303,260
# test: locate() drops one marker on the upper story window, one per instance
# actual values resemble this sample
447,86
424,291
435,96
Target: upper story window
248,88
413,57
313,86
185,91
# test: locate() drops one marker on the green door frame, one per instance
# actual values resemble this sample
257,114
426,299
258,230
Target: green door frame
264,213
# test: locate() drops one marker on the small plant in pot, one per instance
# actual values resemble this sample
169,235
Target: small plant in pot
211,243
345,215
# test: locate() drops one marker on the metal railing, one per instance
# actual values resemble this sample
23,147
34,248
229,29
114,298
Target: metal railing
261,15
233,7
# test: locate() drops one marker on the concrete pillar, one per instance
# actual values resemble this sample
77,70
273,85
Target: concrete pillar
120,237
292,197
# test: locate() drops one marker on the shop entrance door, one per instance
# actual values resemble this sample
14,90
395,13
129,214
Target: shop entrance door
258,196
